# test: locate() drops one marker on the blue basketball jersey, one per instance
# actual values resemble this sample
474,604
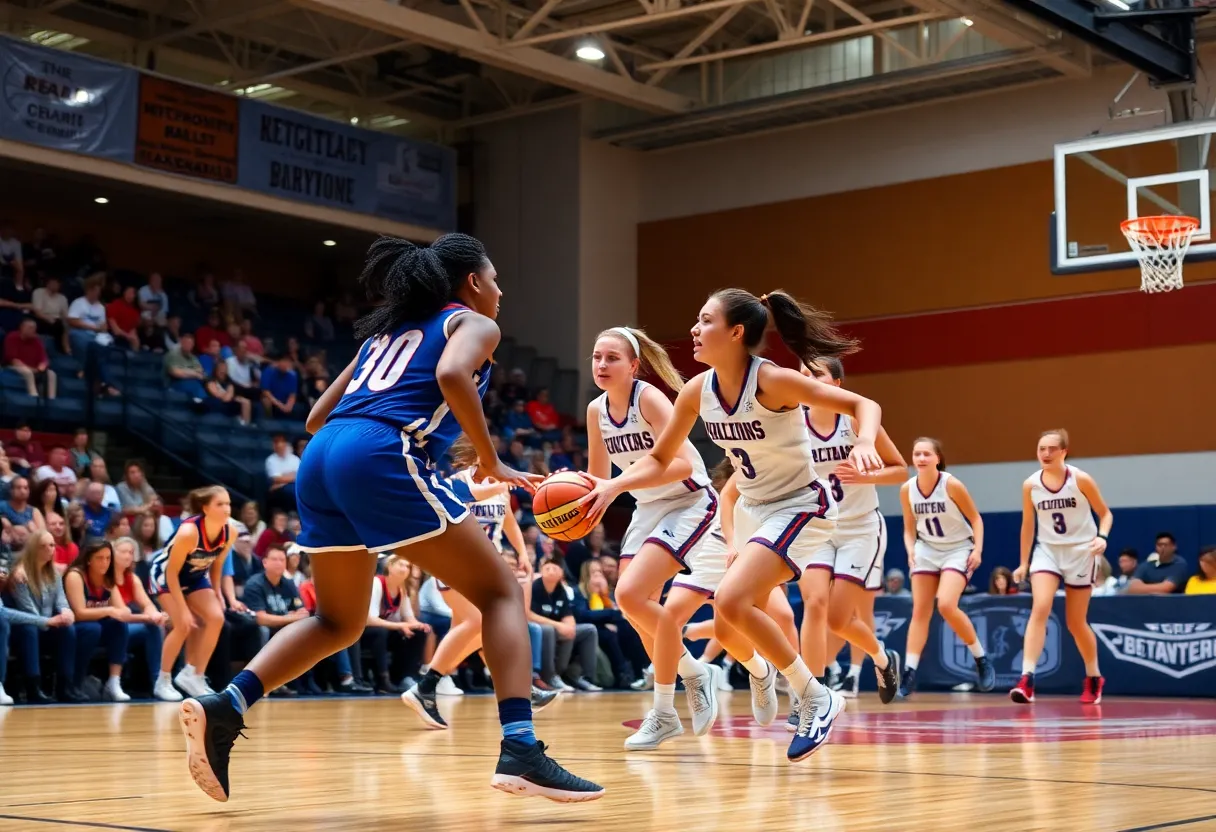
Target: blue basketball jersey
395,383
195,571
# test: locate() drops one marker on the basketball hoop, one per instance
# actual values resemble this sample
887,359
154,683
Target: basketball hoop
1160,243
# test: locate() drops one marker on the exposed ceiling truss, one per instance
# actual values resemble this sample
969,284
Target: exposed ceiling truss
438,66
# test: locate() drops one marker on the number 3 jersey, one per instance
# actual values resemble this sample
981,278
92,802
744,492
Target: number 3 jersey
829,452
395,383
771,452
1064,516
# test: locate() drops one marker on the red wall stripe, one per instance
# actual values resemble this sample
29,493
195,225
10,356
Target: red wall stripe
1045,329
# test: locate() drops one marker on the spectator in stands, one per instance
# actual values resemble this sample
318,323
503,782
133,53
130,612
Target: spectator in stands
345,310
392,630
280,385
297,565
12,258
18,515
50,308
151,337
222,397
145,626
611,565
281,468
165,525
39,251
515,389
276,533
46,498
543,414
24,451
16,300
101,617
42,621
96,516
252,520
153,302
57,469
100,474
147,534
171,335
119,526
591,547
319,326
87,320
552,608
238,296
185,371
1163,573
244,563
211,355
271,596
592,604
1129,559
25,354
134,492
294,356
895,584
517,425
205,296
1000,582
1204,583
80,454
253,343
78,527
213,330
66,549
7,474
433,611
316,380
243,371
122,316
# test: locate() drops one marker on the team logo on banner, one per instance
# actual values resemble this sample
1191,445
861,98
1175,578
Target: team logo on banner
1177,650
885,624
1001,630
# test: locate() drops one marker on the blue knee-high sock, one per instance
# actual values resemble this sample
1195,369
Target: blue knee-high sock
245,690
515,716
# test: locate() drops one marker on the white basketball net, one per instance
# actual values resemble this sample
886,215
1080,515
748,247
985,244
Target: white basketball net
1161,244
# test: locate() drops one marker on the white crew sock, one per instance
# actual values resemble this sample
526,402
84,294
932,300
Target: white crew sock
665,699
690,667
756,666
164,678
854,671
189,670
1092,669
1028,666
911,661
802,681
977,650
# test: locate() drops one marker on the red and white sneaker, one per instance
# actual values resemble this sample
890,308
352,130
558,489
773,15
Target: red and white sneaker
1091,690
1023,691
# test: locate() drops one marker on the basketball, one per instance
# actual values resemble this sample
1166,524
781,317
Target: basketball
556,506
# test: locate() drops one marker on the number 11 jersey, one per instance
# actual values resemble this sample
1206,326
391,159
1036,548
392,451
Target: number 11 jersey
940,523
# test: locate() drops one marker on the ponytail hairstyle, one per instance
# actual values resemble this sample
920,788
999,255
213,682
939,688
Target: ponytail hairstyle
651,356
805,330
414,282
1060,432
200,498
721,473
937,449
462,452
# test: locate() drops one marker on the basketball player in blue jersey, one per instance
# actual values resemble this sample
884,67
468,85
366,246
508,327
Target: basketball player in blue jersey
1062,501
185,578
752,408
368,484
944,538
490,504
836,591
674,535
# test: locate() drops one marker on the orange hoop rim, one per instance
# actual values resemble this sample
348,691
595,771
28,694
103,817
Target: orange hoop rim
1162,229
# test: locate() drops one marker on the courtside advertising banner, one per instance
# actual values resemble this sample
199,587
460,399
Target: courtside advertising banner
63,101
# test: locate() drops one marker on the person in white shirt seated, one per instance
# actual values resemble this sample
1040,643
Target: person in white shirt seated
281,467
153,302
243,372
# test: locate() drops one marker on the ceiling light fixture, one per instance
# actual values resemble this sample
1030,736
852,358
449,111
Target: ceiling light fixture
589,52
101,200
330,243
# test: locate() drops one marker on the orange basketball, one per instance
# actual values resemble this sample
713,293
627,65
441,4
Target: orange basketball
556,506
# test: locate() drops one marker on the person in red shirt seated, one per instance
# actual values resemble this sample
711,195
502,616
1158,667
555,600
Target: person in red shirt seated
214,329
122,315
25,354
65,549
543,414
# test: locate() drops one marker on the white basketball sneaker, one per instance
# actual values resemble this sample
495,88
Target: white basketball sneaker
702,702
764,696
655,728
446,687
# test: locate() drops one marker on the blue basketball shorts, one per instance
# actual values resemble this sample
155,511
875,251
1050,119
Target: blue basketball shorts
359,487
190,580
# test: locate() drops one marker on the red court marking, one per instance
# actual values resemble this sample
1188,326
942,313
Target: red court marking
1045,721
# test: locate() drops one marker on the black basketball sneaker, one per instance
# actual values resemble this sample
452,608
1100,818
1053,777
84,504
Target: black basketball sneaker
527,771
211,724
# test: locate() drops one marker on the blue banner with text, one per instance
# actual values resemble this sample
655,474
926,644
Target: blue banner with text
1147,646
298,156
65,101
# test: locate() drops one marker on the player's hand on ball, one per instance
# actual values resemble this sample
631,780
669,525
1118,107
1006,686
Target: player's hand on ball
1097,546
599,498
864,458
1019,574
501,472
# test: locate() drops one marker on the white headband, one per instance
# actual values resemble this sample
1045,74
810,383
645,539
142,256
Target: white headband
630,337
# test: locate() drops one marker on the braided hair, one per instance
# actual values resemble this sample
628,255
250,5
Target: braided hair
414,282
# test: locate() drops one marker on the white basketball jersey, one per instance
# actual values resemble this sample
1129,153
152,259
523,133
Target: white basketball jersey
829,451
771,451
939,522
631,439
1064,516
491,513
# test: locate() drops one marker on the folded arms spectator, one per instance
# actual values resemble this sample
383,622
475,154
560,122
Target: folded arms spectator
122,316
